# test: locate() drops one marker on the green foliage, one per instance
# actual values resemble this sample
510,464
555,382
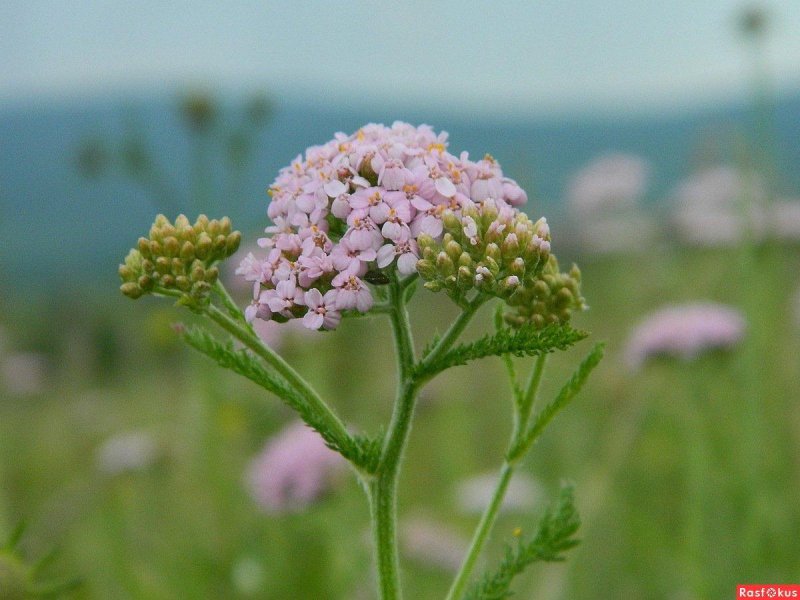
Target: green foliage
554,536
565,396
360,450
527,340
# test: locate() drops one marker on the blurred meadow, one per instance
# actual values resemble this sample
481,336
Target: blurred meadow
127,454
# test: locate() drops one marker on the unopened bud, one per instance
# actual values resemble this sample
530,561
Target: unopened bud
444,264
187,251
453,250
131,290
232,242
171,246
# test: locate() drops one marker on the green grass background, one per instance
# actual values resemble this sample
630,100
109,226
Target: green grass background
687,475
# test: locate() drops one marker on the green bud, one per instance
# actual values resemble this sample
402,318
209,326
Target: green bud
426,269
126,273
493,251
198,273
510,246
178,266
203,246
213,228
434,286
232,242
451,222
220,243
187,251
465,260
212,275
131,290
492,265
200,289
148,266
163,264
225,225
517,267
444,264
424,241
201,224
167,280
144,247
145,282
155,249
453,249
171,246
465,279
183,283
429,253
181,222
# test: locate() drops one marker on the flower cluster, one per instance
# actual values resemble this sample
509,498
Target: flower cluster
353,210
551,298
685,331
179,256
293,470
489,247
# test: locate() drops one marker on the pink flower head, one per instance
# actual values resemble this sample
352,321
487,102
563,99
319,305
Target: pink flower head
294,469
357,204
685,331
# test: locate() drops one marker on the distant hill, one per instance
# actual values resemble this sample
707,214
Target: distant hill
60,228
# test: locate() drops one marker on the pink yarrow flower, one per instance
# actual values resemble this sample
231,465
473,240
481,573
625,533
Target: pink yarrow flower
294,469
685,332
357,204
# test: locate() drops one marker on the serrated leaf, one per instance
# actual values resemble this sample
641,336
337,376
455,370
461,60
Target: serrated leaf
564,397
527,340
240,361
554,535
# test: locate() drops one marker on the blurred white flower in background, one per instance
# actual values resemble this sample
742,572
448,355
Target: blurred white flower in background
294,469
23,373
126,452
474,494
432,544
784,219
684,331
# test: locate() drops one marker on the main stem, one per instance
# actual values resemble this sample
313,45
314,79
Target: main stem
383,487
522,414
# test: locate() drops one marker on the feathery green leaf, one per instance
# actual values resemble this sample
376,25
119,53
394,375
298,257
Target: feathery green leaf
554,536
527,340
567,393
360,450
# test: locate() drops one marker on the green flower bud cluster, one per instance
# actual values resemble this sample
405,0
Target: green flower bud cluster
493,249
551,299
179,256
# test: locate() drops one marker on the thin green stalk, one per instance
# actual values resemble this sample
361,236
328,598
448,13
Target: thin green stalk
455,330
525,408
522,414
383,487
253,342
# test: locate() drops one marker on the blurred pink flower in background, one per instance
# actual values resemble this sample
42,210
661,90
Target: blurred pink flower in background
610,181
684,331
432,544
294,469
603,201
719,206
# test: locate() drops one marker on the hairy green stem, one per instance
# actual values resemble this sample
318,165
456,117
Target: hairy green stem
245,334
522,415
382,489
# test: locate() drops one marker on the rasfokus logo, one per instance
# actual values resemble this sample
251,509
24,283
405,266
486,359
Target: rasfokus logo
770,590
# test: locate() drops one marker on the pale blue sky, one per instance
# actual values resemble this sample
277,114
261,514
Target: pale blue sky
497,57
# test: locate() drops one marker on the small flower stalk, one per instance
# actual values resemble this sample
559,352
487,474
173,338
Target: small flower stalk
355,223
